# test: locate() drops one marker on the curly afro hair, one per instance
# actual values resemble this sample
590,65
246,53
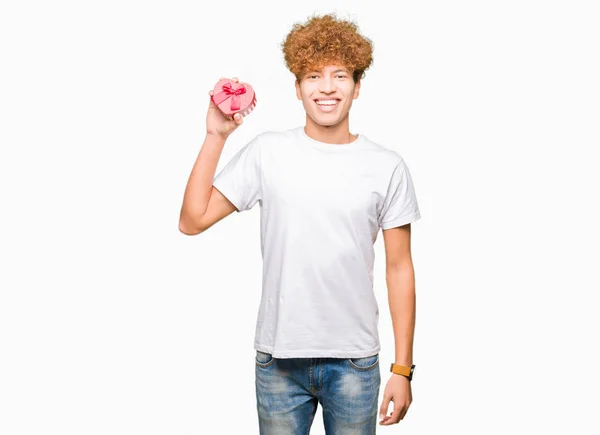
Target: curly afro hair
326,40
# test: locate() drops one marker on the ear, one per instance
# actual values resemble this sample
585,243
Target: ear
298,94
356,90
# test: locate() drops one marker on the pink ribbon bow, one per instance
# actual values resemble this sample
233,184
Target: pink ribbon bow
228,92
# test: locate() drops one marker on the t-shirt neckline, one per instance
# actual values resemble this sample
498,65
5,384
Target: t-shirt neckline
330,146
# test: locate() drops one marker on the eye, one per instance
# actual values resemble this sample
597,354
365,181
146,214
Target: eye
341,76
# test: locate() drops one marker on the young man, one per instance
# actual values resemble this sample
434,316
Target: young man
324,193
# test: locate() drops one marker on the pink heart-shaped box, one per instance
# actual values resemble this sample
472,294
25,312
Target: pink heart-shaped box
231,98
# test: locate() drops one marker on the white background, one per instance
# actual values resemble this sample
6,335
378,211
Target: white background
113,322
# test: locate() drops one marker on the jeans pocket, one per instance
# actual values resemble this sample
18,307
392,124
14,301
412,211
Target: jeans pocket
263,359
364,363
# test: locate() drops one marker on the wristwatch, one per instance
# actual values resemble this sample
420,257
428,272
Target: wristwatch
403,370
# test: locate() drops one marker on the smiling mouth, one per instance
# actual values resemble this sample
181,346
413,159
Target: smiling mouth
331,102
327,105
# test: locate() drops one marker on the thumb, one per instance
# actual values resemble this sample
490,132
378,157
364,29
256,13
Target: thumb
211,102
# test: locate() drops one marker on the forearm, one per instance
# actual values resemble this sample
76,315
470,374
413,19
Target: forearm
402,301
199,185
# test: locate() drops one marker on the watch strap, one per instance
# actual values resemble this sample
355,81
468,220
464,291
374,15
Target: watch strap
402,370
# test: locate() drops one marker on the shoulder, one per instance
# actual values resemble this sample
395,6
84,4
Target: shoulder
389,157
270,136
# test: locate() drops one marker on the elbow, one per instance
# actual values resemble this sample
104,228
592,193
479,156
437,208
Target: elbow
188,232
404,270
189,227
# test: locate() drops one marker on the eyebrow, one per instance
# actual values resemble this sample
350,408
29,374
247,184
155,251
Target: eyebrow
337,70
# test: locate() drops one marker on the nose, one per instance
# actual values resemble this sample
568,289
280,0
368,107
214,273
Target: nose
327,85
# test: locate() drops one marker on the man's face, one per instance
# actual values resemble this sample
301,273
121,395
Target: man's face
327,95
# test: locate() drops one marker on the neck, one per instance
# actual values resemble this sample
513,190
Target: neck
332,134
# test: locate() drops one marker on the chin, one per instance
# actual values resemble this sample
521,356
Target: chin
330,123
325,121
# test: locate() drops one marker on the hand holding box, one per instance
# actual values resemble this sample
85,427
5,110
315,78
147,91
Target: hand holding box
232,97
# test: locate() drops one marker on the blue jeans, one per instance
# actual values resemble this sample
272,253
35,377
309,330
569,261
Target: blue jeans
289,389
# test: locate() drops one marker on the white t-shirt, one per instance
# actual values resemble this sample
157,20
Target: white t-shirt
321,209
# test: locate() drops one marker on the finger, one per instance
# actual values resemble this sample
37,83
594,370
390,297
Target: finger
394,415
404,410
235,79
383,409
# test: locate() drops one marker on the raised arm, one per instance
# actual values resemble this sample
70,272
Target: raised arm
203,205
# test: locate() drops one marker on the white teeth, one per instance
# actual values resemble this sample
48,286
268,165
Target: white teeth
327,102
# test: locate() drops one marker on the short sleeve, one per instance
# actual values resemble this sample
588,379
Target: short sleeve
400,205
240,179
